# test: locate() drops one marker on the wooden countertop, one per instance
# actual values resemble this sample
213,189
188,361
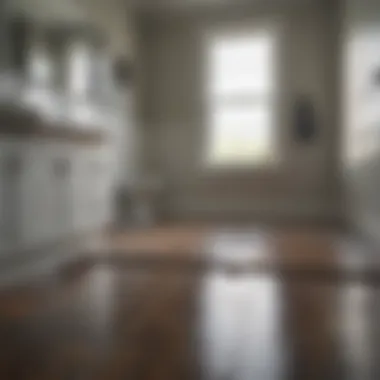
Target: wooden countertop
15,121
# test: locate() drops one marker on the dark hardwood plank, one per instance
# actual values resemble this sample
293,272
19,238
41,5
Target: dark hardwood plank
97,319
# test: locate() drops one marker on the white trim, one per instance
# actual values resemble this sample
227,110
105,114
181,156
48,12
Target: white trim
238,27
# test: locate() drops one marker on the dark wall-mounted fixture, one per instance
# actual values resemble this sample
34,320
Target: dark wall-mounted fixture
123,72
305,120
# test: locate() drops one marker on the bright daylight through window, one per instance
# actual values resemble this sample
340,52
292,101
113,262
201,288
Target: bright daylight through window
240,97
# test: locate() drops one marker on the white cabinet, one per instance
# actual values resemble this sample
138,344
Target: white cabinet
100,177
50,192
79,193
62,190
2,226
31,199
11,171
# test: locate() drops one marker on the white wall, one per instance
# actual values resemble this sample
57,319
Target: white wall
306,181
361,114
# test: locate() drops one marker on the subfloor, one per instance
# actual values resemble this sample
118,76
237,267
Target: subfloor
201,302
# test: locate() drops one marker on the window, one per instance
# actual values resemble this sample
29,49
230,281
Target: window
240,98
80,66
80,70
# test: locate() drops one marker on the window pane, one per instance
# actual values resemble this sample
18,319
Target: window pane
79,70
240,134
241,64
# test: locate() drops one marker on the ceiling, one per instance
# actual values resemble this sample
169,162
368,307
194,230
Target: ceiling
50,10
62,10
157,5
80,10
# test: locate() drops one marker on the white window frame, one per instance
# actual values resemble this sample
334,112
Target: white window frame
229,31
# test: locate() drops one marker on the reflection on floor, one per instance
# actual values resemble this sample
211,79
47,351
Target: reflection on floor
98,319
302,250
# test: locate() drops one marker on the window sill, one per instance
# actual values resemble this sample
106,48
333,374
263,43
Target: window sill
254,170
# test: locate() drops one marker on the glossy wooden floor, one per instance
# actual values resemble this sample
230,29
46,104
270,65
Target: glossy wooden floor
228,317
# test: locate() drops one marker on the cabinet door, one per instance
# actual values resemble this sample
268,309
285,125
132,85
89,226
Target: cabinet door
61,180
11,171
77,191
107,184
2,198
37,196
96,175
46,193
28,191
102,177
30,186
83,191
